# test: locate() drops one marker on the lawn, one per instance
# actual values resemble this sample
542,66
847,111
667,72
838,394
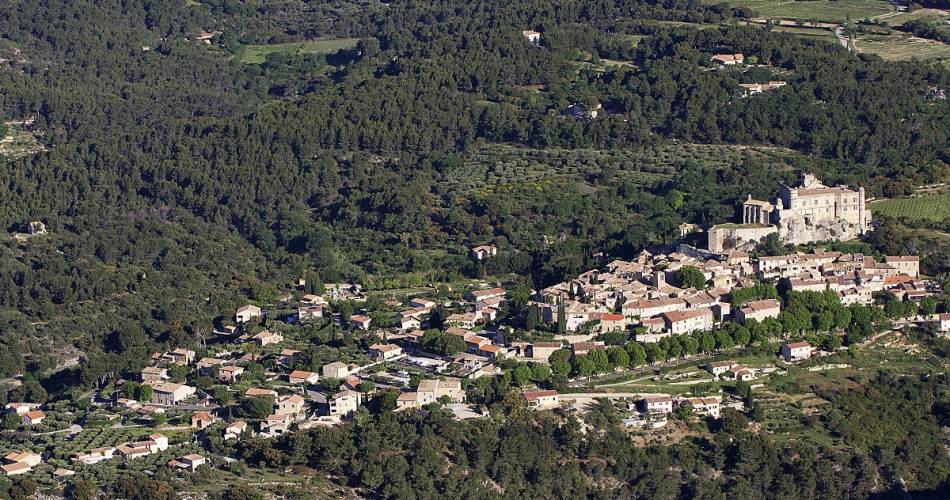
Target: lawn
256,54
820,10
933,207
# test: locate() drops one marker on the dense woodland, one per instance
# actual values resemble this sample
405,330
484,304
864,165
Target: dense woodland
179,183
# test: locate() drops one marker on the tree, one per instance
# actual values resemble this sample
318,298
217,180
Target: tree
11,421
618,356
689,277
534,317
145,393
521,375
540,373
638,355
257,407
82,489
561,318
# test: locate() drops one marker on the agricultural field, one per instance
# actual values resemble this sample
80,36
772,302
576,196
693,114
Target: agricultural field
256,54
807,32
494,167
933,207
903,47
820,10
899,19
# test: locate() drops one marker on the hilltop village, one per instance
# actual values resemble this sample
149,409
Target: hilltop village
255,375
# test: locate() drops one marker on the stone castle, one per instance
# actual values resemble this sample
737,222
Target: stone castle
807,212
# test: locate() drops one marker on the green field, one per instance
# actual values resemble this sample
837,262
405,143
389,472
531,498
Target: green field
933,207
821,10
255,54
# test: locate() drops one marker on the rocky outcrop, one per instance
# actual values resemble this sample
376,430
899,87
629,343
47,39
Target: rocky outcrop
798,231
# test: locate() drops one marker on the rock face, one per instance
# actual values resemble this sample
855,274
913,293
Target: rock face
798,231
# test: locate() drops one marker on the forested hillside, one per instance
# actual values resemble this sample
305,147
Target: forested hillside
177,182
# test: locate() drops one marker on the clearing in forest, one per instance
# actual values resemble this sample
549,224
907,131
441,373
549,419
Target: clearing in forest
256,54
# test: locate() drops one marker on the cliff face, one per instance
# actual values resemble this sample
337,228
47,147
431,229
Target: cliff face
798,231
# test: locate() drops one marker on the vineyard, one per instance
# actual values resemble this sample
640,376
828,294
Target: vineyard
934,207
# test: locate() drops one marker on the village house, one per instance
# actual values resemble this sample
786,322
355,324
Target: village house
95,455
229,373
344,403
20,462
384,352
584,348
420,303
189,462
410,323
33,417
169,394
751,89
533,37
235,429
682,322
206,365
649,308
275,425
541,351
728,59
717,368
19,408
247,313
306,313
758,310
293,404
461,320
431,391
202,420
656,404
337,369
360,322
288,357
613,323
483,252
180,356
904,264
542,399
154,444
704,406
154,374
796,351
267,337
303,377
943,323
480,295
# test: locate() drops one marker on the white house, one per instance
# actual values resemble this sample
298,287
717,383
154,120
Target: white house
247,313
542,399
796,351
